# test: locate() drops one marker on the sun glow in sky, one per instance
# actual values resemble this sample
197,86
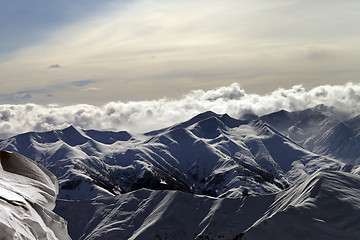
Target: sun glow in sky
94,52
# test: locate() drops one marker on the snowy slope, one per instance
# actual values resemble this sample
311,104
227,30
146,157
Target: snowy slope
327,206
27,196
149,214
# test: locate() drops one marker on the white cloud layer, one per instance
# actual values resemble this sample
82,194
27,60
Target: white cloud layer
144,116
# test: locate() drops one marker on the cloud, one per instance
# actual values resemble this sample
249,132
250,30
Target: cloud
55,66
20,96
141,116
82,83
91,89
24,96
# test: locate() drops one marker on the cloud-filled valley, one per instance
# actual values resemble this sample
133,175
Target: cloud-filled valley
141,116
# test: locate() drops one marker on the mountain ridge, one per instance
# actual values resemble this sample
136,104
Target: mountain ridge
211,154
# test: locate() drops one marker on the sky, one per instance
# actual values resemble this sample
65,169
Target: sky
101,52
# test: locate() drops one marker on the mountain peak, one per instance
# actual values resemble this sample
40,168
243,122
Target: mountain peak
321,108
201,116
210,124
70,129
231,122
188,123
72,136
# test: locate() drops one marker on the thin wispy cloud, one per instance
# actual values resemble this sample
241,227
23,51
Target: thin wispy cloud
21,96
82,83
91,89
141,116
55,66
46,91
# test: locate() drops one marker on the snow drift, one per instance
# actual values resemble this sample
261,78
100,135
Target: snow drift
27,196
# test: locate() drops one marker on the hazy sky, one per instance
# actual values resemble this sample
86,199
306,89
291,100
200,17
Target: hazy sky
91,51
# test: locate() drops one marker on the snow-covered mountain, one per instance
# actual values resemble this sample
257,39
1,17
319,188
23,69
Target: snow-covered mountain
210,154
185,181
27,198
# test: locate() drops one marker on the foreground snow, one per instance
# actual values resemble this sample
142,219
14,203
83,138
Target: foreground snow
27,196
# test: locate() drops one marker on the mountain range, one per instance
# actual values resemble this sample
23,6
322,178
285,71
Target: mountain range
261,175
